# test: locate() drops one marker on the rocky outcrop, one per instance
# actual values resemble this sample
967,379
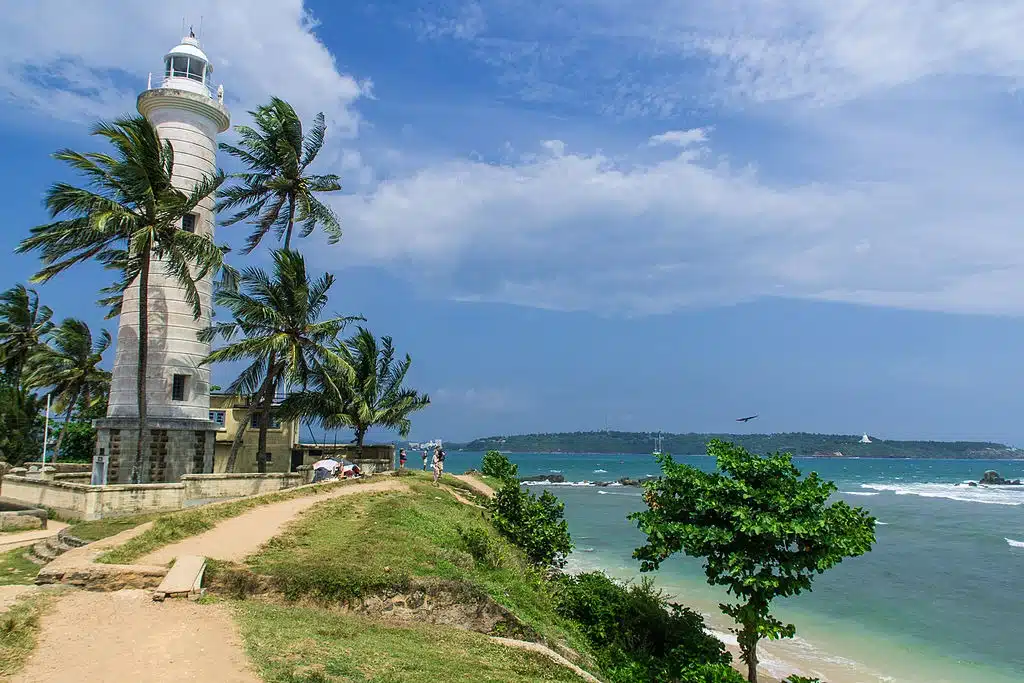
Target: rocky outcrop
550,478
991,477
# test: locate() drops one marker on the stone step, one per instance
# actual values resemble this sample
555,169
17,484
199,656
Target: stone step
185,578
43,551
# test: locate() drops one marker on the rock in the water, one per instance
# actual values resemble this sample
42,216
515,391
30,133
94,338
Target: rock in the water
550,478
992,477
626,481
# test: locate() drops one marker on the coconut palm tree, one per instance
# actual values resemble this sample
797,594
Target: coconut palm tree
282,335
276,191
23,324
69,367
128,218
375,396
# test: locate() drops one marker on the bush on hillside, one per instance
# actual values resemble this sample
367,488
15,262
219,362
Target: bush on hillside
801,679
534,524
639,635
497,465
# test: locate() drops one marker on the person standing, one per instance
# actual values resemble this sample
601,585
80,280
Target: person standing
401,458
424,460
438,463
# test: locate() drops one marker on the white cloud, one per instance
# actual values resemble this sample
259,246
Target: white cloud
680,138
79,61
477,400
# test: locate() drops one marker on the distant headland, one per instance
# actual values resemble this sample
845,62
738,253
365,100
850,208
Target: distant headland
797,443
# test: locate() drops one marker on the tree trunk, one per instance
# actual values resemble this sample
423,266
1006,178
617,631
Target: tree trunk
748,638
291,223
64,427
140,384
360,435
267,400
229,467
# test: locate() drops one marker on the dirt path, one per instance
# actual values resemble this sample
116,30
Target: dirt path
17,539
478,486
10,594
547,652
125,636
236,538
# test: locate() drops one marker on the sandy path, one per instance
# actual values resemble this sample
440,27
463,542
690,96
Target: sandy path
236,538
17,539
478,486
547,652
125,636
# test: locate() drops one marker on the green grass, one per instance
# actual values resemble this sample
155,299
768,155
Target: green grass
361,545
174,526
15,570
19,627
305,645
103,528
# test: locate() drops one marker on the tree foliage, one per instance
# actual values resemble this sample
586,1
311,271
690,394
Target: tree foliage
282,335
276,191
638,634
762,530
498,466
22,421
24,322
535,524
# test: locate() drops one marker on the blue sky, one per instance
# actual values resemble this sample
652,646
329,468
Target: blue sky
579,214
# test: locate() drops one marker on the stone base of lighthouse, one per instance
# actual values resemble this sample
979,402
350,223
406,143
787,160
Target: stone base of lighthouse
176,447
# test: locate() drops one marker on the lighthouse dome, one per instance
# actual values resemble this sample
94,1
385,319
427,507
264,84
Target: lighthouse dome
186,67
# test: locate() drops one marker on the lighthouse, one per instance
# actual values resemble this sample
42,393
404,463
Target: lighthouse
189,114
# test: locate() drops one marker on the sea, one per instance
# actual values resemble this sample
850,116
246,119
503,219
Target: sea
940,598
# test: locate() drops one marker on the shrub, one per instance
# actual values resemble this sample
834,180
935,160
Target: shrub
480,545
498,466
639,635
534,524
801,679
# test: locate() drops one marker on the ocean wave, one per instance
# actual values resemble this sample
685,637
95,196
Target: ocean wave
620,493
989,495
555,471
881,523
559,483
1014,544
860,493
600,471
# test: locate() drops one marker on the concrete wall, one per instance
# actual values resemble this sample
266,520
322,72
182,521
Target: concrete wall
176,448
374,458
82,501
63,467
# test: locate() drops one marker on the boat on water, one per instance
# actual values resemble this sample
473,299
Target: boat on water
657,445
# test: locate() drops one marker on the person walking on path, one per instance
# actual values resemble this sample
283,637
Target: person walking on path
401,458
438,463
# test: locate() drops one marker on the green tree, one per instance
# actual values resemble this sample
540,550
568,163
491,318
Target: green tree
762,530
276,191
498,466
21,422
282,335
128,218
535,524
68,365
370,394
23,324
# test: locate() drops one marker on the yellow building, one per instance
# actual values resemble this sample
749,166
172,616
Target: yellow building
282,437
284,451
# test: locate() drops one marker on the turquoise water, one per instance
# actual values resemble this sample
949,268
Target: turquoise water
938,600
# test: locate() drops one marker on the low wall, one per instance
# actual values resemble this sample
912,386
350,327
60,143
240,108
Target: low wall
83,501
64,467
210,486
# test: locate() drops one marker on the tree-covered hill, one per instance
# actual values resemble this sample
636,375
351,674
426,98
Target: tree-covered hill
797,443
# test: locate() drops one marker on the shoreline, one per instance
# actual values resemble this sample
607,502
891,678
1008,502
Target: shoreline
801,457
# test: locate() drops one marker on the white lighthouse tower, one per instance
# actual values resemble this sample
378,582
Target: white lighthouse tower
187,113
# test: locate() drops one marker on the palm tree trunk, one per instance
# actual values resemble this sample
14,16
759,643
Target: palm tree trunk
267,400
360,435
140,383
291,223
237,443
64,427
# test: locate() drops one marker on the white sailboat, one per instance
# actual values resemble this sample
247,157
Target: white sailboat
657,445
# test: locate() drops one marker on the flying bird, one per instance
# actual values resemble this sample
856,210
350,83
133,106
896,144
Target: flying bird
746,419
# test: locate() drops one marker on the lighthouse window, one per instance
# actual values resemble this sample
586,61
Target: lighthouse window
178,388
188,222
196,67
167,68
179,66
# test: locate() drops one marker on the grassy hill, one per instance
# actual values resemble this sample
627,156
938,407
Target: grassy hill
797,443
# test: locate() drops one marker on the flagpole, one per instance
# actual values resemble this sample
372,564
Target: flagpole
46,430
